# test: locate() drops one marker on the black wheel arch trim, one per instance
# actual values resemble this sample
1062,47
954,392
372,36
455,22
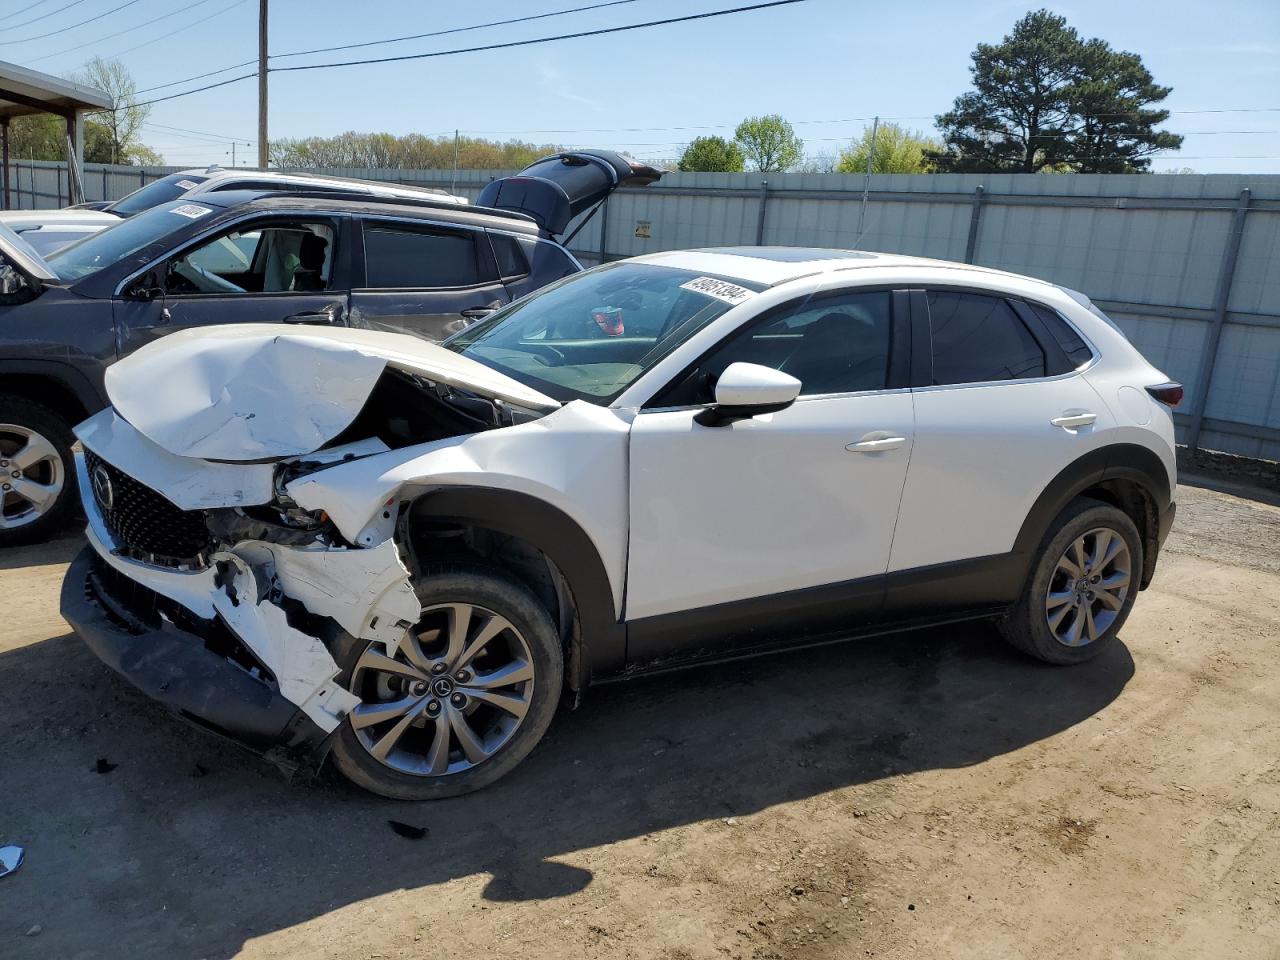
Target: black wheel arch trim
66,375
567,545
1121,461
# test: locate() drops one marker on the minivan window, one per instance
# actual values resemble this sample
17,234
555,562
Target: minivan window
420,258
978,338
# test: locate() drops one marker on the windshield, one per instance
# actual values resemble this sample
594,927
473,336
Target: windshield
153,194
591,335
46,241
77,261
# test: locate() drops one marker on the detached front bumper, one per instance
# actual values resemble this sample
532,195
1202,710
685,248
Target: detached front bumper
197,669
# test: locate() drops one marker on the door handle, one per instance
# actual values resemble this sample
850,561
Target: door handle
325,315
480,312
877,445
1070,421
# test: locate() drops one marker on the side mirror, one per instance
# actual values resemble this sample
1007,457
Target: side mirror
748,390
146,287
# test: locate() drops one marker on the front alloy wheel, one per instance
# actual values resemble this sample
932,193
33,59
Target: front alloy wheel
464,696
37,472
454,694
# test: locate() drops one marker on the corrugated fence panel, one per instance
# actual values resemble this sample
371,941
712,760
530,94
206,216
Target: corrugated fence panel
1149,248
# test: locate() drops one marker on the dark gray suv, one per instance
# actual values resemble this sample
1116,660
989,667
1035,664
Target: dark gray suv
425,267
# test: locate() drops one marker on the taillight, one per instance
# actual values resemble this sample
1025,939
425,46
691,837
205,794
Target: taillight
1170,394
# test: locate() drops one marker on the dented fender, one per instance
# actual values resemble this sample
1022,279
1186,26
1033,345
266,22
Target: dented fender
558,459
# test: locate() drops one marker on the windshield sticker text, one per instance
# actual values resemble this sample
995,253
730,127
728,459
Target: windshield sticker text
191,210
720,289
186,184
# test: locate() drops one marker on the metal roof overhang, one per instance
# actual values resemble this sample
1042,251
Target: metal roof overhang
24,92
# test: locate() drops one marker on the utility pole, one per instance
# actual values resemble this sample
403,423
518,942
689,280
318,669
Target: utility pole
262,85
866,180
453,182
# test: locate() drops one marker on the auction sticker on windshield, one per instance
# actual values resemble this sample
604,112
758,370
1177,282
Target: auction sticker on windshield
191,210
186,184
720,289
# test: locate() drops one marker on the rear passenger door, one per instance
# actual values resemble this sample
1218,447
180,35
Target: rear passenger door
425,279
1000,409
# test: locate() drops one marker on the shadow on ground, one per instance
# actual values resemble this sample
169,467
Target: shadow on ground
189,847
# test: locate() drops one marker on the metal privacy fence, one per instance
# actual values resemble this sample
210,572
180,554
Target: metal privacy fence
1188,265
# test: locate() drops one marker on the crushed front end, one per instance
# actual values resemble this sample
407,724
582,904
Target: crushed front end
224,606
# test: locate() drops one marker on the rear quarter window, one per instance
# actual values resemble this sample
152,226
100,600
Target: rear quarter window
1072,343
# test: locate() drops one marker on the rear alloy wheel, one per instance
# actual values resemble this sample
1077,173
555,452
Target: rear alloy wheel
37,482
1081,588
461,699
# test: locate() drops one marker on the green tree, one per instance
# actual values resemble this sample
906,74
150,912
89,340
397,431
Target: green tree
412,151
712,155
1044,99
123,123
897,150
769,143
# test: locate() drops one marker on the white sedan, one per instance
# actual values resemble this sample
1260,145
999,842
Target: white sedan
404,554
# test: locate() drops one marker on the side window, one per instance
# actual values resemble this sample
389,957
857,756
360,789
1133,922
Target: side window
265,258
978,338
837,344
1072,344
511,259
421,258
548,261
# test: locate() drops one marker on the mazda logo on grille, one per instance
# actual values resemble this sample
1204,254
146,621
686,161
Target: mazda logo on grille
103,492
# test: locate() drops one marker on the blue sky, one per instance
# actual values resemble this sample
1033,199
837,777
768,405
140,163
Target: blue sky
816,63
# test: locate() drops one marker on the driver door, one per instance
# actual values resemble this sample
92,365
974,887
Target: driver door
779,527
266,271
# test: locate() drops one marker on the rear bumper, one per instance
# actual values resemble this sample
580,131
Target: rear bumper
196,668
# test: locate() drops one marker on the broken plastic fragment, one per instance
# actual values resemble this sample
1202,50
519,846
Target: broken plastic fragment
10,859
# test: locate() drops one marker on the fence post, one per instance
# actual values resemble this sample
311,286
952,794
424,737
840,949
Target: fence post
1221,296
975,218
764,202
106,194
604,230
58,172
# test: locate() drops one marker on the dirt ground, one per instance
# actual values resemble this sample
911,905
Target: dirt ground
927,795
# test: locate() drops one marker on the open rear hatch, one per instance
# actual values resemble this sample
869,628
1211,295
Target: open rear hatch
558,188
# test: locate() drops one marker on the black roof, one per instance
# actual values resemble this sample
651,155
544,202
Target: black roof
330,202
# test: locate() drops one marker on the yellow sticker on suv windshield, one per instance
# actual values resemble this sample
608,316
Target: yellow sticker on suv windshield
720,289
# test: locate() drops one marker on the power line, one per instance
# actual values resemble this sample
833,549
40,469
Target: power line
203,133
199,76
187,93
130,29
525,43
447,53
441,33
41,36
370,43
166,36
43,16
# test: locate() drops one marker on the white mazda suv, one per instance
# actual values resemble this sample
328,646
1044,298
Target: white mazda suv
403,555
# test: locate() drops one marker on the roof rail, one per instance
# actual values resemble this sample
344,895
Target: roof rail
429,202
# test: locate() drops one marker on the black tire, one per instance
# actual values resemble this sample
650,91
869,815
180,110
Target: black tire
53,428
496,590
1026,625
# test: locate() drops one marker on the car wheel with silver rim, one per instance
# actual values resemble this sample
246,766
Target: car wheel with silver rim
1082,585
461,698
37,481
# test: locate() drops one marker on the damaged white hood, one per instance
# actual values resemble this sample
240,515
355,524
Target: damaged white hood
258,391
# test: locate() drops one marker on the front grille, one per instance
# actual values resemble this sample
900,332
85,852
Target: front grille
144,524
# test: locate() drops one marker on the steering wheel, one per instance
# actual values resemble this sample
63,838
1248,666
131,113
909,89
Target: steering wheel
553,356
204,280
